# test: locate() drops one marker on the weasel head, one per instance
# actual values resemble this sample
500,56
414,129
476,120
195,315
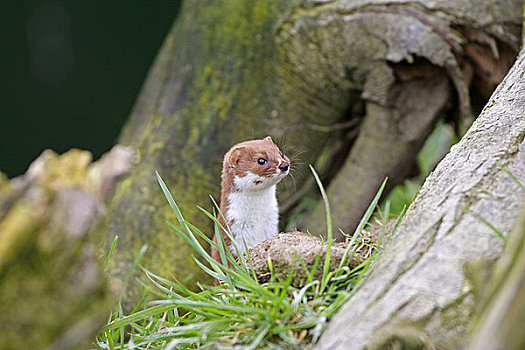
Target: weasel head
255,165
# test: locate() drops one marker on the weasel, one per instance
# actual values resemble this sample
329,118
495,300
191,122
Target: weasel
250,173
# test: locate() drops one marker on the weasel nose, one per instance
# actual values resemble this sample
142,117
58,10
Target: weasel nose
284,166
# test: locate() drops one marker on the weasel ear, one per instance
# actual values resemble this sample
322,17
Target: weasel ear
268,138
235,155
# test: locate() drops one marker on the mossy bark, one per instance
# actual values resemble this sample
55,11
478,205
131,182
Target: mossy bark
217,80
52,291
307,73
425,289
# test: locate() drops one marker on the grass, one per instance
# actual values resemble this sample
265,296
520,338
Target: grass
241,312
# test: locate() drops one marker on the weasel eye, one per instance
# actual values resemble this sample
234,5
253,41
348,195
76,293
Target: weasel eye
262,161
282,155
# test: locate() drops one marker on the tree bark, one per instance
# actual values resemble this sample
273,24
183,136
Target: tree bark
320,77
425,288
500,325
53,294
417,60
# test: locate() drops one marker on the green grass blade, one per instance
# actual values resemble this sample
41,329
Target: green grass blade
171,202
133,267
489,225
371,208
399,218
514,178
259,337
226,255
126,320
113,245
326,267
366,217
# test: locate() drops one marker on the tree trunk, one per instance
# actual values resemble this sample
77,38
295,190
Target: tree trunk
417,53
500,326
52,291
426,287
320,77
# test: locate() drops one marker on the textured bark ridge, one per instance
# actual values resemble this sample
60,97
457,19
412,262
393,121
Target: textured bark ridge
425,287
353,86
52,292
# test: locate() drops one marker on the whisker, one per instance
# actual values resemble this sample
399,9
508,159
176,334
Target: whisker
294,183
298,164
297,155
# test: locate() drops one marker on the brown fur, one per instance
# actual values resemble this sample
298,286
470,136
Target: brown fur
240,159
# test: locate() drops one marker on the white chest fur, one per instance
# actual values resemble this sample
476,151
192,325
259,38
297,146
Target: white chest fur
253,210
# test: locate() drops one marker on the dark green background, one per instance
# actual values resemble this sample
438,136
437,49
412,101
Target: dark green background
70,72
